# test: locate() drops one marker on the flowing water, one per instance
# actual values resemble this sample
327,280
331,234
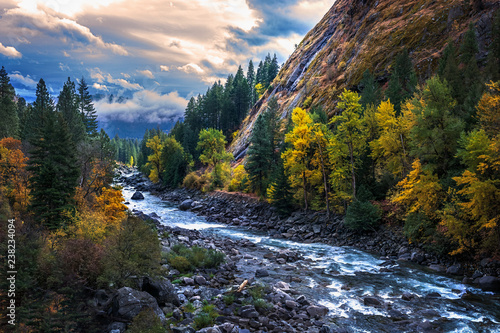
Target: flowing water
341,277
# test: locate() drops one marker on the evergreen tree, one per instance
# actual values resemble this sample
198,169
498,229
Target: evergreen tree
448,70
251,82
36,119
86,108
273,69
67,105
403,81
54,173
369,89
175,163
493,60
260,155
9,120
280,192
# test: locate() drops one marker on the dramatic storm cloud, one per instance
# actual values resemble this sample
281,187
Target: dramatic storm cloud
153,54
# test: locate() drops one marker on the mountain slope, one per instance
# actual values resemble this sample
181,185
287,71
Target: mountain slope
356,35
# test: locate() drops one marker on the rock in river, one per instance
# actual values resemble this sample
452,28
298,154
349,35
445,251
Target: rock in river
137,196
186,204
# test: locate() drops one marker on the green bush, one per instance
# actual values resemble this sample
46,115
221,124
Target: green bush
203,320
146,322
228,299
185,259
362,216
261,304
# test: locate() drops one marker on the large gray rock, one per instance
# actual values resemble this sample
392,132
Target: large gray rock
248,311
261,273
455,270
137,196
490,283
128,302
316,311
162,290
371,301
186,204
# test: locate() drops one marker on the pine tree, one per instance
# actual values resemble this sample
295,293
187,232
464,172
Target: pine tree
251,82
67,105
175,163
86,108
369,89
9,124
280,192
260,155
41,107
493,60
54,173
403,81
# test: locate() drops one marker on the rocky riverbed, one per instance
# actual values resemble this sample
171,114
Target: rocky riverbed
286,278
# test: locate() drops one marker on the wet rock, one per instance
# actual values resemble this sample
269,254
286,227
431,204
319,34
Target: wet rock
261,273
162,290
408,296
248,311
429,313
188,281
183,329
214,329
433,295
137,196
437,268
200,280
489,283
396,315
186,204
128,302
477,274
317,311
291,304
455,270
371,301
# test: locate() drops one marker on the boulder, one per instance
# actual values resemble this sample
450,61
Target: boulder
162,290
490,283
186,204
371,301
117,327
261,273
248,311
128,302
200,280
317,310
137,196
455,270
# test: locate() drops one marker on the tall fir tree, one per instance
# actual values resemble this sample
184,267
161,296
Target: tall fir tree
86,108
369,89
9,124
251,82
260,156
493,60
67,105
54,173
403,81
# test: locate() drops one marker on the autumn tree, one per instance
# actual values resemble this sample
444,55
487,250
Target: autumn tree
297,157
155,161
349,138
488,109
212,145
391,148
13,174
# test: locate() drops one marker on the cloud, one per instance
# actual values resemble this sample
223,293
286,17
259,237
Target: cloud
164,68
145,106
63,67
191,69
45,22
26,81
10,51
147,73
101,77
99,86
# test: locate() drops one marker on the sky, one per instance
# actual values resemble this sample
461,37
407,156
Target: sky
155,54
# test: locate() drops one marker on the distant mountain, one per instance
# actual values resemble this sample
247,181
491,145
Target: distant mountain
356,35
132,130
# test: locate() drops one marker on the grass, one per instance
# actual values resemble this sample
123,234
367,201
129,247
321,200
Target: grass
186,259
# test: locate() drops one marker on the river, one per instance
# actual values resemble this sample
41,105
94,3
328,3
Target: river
340,278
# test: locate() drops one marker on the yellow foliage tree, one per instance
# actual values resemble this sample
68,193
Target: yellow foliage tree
420,192
13,174
110,203
390,149
488,109
239,179
155,160
297,158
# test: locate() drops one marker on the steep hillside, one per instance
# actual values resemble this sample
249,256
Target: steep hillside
356,35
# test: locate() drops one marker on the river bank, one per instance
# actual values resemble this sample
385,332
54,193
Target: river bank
314,227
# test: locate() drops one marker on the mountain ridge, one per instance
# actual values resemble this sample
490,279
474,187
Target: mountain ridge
355,35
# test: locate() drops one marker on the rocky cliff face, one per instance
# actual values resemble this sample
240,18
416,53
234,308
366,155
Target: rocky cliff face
356,35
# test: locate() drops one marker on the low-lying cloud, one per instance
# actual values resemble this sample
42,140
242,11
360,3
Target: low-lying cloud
144,106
